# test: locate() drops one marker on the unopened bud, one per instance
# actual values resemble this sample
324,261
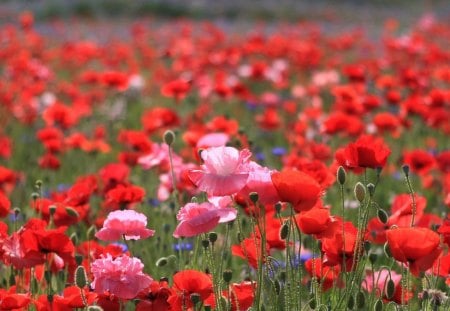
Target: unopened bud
405,169
212,237
360,192
80,277
161,262
169,137
371,189
227,275
382,216
390,289
341,175
284,231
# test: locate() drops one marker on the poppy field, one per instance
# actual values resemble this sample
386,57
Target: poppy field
188,165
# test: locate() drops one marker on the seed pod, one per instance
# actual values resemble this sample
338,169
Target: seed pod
341,175
80,277
360,192
382,216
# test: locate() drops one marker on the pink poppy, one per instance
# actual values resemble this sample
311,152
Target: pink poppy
225,171
213,140
127,223
121,276
200,218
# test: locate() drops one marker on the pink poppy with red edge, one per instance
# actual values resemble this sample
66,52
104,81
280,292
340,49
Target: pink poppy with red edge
127,223
200,218
225,171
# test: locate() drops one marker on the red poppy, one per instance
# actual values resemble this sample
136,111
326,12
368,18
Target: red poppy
297,188
338,247
10,300
5,205
176,89
327,276
155,299
124,195
187,282
419,161
414,245
5,147
250,250
159,118
318,221
366,152
242,295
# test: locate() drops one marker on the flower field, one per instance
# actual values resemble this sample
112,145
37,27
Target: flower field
187,165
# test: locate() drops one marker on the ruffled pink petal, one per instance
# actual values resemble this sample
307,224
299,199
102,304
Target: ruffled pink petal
216,185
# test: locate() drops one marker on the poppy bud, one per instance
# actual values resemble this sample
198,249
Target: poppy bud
313,303
16,211
360,192
382,216
212,237
169,137
205,244
90,232
161,262
390,289
38,184
360,300
373,258
74,238
253,197
405,169
52,210
78,259
284,231
207,308
194,200
277,287
379,169
72,212
227,275
351,303
371,188
80,277
95,308
341,175
278,207
378,306
35,196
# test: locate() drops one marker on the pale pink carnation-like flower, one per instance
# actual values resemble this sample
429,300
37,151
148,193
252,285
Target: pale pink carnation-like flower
197,218
121,277
224,172
127,223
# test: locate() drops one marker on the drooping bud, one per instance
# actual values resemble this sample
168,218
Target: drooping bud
161,262
382,216
371,188
378,306
390,289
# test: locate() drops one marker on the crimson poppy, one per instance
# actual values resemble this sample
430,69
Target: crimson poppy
414,245
297,188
